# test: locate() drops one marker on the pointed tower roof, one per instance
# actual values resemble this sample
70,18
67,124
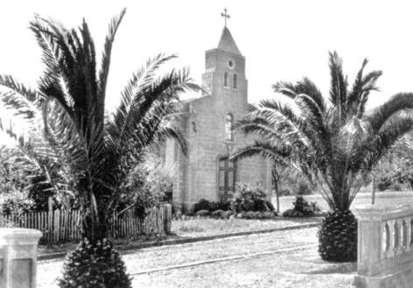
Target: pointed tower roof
227,43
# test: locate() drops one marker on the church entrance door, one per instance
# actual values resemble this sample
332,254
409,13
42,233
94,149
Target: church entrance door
226,177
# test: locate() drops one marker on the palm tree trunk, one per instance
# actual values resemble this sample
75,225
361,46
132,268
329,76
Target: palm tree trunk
94,220
275,180
93,228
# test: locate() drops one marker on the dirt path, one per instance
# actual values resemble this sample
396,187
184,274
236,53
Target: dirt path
278,259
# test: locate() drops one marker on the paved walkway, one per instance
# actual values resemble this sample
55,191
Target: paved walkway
278,259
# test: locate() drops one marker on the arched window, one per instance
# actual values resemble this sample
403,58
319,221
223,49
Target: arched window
226,79
229,121
234,81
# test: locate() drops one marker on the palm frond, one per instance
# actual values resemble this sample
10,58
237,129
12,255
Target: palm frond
23,101
305,86
384,112
338,90
259,127
137,101
104,69
363,85
169,132
372,150
277,153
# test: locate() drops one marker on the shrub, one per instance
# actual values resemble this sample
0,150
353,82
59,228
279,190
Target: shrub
249,198
246,199
202,213
136,193
218,213
202,204
303,189
220,205
15,203
301,208
383,183
285,192
270,206
211,206
91,266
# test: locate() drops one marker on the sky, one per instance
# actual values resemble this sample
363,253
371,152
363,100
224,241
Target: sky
281,39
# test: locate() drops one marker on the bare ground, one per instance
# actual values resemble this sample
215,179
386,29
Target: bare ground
275,259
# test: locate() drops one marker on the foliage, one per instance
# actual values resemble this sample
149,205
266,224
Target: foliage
12,177
276,153
250,198
202,213
100,150
332,141
15,203
91,266
395,169
202,204
246,198
339,228
211,206
135,194
45,170
14,184
301,208
257,215
293,182
159,175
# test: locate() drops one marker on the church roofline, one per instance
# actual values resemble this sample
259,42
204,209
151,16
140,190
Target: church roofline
227,42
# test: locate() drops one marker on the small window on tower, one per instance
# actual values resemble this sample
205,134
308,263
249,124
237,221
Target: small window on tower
234,82
226,79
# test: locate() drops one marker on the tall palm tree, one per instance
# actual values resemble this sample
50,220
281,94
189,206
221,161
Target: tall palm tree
100,148
334,141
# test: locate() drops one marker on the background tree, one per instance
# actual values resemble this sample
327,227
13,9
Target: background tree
100,150
395,170
14,183
334,141
46,171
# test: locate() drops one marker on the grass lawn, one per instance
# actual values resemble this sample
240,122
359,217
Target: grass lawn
196,227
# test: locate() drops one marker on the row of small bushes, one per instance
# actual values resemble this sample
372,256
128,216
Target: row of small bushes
221,214
245,199
301,208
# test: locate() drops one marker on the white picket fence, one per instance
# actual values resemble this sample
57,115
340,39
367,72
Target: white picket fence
64,225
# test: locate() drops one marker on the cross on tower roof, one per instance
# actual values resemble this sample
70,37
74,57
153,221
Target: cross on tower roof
226,16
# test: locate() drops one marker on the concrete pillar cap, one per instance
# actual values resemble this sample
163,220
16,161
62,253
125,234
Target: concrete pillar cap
19,234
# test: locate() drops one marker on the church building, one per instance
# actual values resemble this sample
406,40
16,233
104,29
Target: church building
206,172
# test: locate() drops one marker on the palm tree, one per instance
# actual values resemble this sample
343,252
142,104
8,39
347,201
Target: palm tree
334,141
100,149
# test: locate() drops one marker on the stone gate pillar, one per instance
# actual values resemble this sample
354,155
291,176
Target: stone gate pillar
18,256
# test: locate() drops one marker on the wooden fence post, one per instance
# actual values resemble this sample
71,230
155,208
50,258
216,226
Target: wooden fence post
167,218
50,222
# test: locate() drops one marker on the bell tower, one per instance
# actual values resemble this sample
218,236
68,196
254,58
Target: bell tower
224,78
206,171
